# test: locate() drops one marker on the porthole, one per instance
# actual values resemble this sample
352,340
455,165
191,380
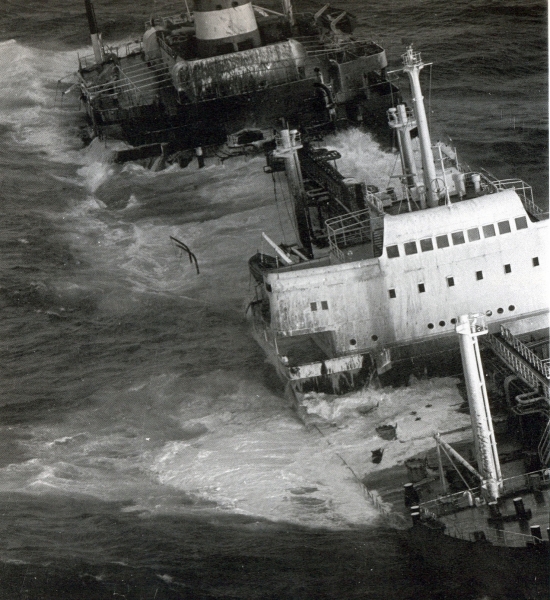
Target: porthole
453,321
442,323
500,311
374,338
511,308
352,342
430,325
489,313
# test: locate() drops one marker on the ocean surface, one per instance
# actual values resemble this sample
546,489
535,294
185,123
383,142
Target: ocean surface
146,448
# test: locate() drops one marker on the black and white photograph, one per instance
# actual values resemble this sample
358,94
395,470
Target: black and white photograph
274,300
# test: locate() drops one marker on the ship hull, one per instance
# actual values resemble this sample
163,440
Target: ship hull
503,571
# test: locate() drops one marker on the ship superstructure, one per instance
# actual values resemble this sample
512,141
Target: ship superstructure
397,268
198,77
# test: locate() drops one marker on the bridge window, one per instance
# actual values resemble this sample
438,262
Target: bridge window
410,248
392,251
507,268
521,222
426,245
442,241
421,288
450,281
504,227
313,306
479,275
392,293
489,231
473,234
458,237
536,261
324,305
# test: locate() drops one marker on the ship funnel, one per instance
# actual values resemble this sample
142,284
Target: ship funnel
94,32
225,26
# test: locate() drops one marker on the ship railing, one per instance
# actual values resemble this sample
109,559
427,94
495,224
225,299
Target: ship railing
357,46
123,51
497,537
132,82
351,229
445,505
532,377
543,366
524,191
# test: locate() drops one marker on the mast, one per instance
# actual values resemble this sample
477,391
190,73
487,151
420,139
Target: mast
287,9
469,329
97,45
412,66
288,143
402,120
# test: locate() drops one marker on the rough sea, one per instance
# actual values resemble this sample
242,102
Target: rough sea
146,448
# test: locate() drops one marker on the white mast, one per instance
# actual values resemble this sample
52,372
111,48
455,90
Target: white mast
412,66
468,329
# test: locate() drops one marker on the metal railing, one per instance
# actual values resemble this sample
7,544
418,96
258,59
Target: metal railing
542,366
347,230
445,505
532,377
523,190
544,446
497,537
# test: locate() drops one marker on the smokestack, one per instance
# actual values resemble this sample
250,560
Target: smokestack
94,31
224,26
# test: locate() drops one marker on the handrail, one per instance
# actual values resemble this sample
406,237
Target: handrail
511,485
542,366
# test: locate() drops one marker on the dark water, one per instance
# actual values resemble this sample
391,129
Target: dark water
145,450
